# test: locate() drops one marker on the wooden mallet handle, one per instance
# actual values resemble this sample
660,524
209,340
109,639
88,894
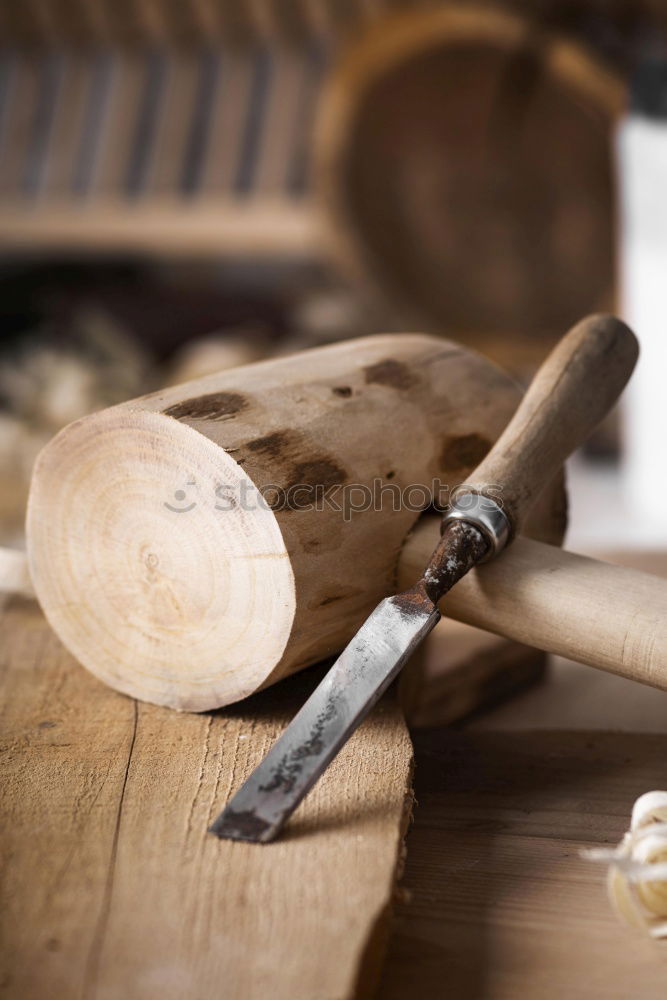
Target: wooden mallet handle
571,393
605,616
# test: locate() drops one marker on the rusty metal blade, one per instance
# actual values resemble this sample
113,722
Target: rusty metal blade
355,682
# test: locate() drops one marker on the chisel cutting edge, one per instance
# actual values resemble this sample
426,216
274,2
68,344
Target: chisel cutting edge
573,390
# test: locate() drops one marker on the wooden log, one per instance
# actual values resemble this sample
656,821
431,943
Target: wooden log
153,551
111,886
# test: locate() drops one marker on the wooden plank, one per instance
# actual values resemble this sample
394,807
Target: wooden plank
498,904
168,227
111,885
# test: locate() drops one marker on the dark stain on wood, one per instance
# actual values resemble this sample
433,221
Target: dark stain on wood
310,480
281,450
213,406
319,472
344,391
391,373
330,600
323,602
303,474
275,497
271,445
331,541
463,452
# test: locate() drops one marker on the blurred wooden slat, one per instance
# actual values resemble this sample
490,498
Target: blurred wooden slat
228,119
136,132
23,98
613,26
40,19
173,126
167,228
281,120
180,24
237,23
318,60
152,21
66,137
208,17
119,125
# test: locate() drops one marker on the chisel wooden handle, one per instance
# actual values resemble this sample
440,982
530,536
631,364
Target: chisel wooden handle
602,615
571,393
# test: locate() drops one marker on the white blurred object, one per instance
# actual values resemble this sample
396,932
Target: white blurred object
642,163
14,574
637,875
217,353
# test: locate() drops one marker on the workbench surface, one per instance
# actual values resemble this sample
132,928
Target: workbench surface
496,901
112,888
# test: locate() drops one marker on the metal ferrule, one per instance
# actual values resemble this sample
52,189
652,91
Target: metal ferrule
485,515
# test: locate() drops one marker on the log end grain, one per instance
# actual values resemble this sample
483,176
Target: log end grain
189,619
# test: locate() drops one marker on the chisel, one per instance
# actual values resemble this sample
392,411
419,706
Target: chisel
573,390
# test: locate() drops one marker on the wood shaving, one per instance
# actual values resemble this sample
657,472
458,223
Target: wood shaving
637,875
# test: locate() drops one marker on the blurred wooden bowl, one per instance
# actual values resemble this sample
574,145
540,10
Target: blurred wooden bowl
464,157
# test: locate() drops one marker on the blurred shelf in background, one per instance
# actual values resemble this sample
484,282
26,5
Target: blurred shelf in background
293,173
450,162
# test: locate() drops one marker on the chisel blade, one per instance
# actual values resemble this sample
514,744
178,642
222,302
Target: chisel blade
353,685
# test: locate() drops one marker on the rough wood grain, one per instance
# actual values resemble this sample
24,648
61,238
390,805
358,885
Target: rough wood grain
497,903
111,886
